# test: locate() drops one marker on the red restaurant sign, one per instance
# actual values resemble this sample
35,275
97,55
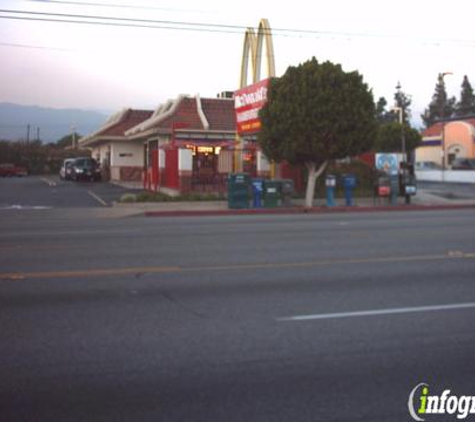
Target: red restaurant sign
247,103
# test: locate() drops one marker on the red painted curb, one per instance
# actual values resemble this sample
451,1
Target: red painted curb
303,210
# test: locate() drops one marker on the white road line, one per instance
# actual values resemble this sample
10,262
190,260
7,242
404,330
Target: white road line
49,182
376,312
97,198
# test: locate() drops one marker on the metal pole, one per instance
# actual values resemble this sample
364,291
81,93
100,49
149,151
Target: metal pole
73,137
442,112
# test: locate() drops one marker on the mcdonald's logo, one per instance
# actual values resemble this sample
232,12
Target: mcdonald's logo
247,103
249,99
253,46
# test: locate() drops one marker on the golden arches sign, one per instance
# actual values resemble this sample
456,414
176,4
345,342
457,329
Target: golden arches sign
254,44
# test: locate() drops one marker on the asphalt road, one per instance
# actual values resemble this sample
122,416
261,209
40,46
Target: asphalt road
250,318
51,192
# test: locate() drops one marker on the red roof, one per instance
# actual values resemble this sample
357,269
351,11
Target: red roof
220,113
436,129
185,116
129,119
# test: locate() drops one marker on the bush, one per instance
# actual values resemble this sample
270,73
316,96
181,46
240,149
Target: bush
147,196
128,198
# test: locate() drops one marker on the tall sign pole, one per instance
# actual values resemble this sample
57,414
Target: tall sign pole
252,55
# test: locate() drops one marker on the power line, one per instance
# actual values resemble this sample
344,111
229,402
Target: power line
120,20
116,6
196,26
6,44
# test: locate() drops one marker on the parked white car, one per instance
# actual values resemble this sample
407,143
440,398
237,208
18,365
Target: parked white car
65,171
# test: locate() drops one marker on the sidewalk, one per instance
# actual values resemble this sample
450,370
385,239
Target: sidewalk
424,200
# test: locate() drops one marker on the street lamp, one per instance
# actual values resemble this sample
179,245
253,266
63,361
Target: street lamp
442,106
400,112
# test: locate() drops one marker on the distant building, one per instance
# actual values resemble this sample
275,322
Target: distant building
453,137
120,159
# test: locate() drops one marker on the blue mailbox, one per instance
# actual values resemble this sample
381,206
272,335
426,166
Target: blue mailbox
257,192
330,183
349,184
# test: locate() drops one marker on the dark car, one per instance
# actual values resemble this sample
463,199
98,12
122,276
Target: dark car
463,164
85,168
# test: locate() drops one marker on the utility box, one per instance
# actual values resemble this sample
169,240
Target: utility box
239,185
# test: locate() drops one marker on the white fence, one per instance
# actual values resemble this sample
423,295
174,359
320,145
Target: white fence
450,176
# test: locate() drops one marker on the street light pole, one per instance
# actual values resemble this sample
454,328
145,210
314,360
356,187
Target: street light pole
404,178
403,137
442,112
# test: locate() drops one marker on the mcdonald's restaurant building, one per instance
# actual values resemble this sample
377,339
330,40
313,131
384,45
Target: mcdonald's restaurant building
188,145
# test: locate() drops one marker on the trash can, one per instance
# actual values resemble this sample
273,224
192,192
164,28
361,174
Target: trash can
330,184
238,190
287,189
349,184
272,192
257,192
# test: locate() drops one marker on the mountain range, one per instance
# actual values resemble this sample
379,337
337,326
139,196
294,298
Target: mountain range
49,123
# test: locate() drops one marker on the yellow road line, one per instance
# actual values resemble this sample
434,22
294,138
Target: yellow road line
232,267
87,273
330,262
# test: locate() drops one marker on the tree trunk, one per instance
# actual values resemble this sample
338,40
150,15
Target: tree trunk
313,175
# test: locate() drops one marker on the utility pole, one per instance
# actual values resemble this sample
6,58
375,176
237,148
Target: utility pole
73,136
442,118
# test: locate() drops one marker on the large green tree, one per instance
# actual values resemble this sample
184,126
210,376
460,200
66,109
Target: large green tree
381,112
389,138
401,100
441,106
466,105
315,113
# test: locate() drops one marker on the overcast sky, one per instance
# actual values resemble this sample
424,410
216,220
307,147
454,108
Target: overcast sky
108,67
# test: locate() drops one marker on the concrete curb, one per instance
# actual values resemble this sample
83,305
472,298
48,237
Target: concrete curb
303,210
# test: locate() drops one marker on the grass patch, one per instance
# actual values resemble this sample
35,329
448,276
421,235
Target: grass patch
147,196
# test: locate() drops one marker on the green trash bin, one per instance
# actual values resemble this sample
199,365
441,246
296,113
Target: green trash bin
239,185
272,193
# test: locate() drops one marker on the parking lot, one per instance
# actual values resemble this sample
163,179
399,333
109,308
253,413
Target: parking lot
39,192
